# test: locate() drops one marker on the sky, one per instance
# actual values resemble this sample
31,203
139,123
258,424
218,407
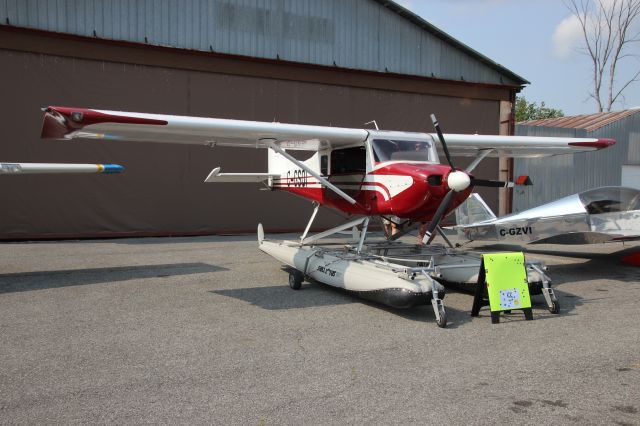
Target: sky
536,39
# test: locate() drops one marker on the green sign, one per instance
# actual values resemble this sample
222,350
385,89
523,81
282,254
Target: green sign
506,278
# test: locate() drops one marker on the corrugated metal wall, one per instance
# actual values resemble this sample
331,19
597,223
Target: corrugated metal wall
567,174
358,34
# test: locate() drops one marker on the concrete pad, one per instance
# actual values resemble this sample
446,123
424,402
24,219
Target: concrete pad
206,330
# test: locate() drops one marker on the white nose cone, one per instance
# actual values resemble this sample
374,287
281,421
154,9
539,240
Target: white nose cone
458,181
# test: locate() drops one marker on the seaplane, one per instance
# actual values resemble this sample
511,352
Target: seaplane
366,173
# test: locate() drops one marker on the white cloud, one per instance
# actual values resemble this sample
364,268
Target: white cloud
566,37
568,34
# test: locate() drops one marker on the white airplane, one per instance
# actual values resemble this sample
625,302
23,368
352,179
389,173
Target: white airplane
362,172
607,214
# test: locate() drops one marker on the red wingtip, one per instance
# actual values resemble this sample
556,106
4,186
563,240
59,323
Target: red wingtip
54,125
60,121
598,144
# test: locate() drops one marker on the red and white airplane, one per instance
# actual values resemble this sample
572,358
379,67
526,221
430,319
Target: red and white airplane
357,171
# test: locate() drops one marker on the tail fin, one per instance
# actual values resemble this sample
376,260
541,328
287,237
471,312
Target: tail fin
278,165
473,210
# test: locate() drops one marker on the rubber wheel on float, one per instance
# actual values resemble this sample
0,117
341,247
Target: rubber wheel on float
295,280
442,322
555,307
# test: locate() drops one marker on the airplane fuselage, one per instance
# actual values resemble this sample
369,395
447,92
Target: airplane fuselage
407,190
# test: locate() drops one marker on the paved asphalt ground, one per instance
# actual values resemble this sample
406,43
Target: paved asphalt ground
206,330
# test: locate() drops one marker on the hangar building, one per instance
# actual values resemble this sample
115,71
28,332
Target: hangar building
323,62
564,175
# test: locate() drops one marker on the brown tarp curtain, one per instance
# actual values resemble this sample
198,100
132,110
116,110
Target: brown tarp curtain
162,191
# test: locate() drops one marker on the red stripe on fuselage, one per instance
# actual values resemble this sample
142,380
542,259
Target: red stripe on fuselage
418,202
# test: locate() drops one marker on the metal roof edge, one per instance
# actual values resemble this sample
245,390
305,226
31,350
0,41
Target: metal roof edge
204,53
407,14
588,122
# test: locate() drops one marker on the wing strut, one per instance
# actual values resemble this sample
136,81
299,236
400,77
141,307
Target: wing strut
271,143
482,154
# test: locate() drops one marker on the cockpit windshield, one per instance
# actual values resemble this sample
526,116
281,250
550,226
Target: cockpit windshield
403,150
610,199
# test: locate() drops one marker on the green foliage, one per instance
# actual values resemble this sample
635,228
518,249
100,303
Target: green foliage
527,111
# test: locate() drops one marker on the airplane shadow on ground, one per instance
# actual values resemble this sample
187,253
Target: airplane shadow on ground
315,294
27,281
425,314
594,269
282,297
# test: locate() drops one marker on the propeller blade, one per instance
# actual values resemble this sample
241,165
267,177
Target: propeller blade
441,137
437,217
501,184
491,183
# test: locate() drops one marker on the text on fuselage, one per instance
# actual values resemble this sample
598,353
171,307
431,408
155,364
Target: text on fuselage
297,178
516,230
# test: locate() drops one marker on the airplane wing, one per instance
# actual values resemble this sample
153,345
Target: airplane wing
33,168
518,146
71,123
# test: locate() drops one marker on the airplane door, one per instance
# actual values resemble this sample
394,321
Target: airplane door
348,168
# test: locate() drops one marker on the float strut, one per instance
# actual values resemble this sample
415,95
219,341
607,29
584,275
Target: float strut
316,206
363,233
444,237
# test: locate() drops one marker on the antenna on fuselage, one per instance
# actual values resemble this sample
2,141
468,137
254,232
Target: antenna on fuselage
374,123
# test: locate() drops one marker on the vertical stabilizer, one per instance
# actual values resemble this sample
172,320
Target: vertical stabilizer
279,165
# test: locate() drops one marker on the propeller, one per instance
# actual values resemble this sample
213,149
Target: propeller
457,181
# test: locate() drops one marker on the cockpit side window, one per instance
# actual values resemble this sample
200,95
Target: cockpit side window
324,165
349,160
394,150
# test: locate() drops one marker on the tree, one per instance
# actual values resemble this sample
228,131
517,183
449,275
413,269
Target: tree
527,111
608,32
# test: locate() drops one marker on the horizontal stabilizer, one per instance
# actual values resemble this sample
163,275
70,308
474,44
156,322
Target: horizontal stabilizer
216,176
